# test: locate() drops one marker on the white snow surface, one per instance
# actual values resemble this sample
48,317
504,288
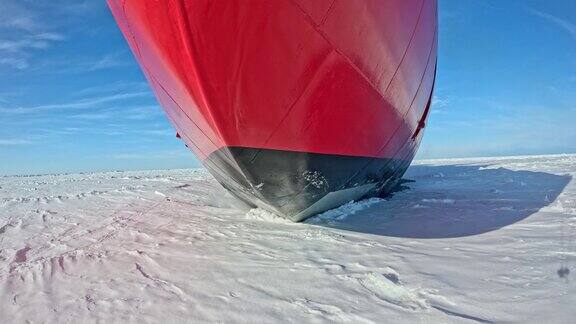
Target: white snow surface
471,240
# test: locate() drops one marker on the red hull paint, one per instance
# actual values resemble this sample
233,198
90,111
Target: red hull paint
337,77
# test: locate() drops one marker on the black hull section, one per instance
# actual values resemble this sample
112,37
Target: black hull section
297,185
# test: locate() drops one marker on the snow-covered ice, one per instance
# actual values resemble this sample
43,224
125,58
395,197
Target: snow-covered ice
471,240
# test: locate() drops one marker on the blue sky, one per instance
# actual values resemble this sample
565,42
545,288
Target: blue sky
73,99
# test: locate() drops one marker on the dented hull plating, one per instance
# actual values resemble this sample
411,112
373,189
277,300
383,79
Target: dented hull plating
295,106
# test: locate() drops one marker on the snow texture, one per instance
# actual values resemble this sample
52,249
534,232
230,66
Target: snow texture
471,240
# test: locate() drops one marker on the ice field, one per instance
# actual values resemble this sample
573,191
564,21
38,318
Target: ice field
469,240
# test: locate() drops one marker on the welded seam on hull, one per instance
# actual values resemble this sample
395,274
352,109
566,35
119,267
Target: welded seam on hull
406,51
349,60
411,106
417,92
154,79
158,82
408,141
149,74
351,63
183,24
138,52
184,20
232,161
222,171
286,114
316,28
394,156
328,12
432,47
185,29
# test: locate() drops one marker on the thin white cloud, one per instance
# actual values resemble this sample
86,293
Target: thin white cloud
108,61
439,102
18,51
14,142
119,113
159,132
86,64
28,27
22,32
15,16
35,41
115,87
78,104
93,116
17,63
560,22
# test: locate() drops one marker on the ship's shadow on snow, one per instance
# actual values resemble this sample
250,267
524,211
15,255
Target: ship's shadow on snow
454,201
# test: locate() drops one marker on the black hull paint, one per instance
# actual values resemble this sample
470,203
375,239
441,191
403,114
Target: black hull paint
297,185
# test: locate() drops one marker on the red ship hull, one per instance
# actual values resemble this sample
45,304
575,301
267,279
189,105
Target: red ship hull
295,106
